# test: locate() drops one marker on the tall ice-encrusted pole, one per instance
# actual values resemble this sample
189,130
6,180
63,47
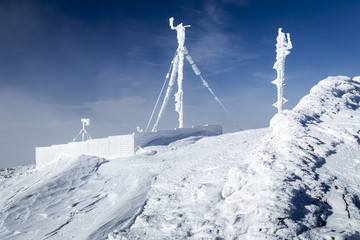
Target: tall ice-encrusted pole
283,46
177,68
180,29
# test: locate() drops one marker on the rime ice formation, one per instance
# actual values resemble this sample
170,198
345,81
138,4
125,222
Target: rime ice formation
83,133
283,46
180,29
177,68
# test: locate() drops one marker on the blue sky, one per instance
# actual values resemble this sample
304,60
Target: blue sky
62,60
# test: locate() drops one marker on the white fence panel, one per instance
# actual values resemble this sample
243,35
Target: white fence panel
93,147
114,146
103,147
82,148
57,150
43,155
73,148
121,146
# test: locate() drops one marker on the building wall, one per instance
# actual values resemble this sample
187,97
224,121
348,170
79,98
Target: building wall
43,155
110,147
122,145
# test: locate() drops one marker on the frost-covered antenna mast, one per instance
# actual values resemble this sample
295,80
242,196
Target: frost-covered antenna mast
83,133
283,46
177,68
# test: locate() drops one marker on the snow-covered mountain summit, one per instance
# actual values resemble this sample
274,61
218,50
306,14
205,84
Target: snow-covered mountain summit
297,179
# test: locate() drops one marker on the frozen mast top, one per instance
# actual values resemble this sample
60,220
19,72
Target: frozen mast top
180,29
283,46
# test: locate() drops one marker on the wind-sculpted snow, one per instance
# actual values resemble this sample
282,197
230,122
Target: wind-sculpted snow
72,198
182,202
298,179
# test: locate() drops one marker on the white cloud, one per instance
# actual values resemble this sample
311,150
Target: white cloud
215,47
219,52
270,76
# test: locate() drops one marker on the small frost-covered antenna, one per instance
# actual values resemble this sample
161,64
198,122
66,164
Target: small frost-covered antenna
283,46
83,133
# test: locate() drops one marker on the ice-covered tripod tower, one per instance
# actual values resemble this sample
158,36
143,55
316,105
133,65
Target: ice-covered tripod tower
177,68
283,46
83,132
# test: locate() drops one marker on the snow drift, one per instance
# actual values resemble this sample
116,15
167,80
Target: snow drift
297,179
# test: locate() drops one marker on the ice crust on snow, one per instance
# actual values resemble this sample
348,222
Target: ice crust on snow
297,179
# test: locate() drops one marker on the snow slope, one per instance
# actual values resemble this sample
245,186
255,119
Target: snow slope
297,179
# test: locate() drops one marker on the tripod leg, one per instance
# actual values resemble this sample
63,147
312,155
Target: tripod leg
77,136
168,91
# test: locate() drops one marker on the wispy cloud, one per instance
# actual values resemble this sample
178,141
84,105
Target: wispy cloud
215,47
214,13
218,51
265,75
242,3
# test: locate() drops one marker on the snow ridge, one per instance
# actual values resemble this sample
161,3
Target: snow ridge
291,200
